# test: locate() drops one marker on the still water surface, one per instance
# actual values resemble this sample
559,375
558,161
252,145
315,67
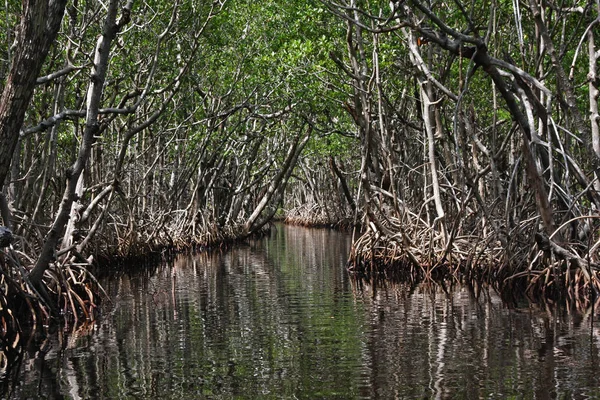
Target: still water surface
280,318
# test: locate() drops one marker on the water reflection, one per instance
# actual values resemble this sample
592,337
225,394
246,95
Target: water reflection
280,318
426,343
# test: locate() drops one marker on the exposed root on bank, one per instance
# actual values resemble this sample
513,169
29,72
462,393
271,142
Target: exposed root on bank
315,216
523,263
167,236
69,296
69,291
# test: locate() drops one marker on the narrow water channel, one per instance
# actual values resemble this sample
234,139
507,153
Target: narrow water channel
280,318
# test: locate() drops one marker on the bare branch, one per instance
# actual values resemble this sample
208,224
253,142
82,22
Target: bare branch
50,77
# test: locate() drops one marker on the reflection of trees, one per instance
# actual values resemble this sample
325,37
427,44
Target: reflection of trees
279,317
425,343
256,319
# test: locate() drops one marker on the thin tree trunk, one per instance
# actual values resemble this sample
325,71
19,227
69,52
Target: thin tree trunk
594,93
278,181
427,119
94,95
343,182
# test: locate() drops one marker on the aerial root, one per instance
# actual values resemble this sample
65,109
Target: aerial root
545,270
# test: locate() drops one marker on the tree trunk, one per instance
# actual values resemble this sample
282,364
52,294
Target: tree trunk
40,21
94,95
278,182
343,182
594,93
435,185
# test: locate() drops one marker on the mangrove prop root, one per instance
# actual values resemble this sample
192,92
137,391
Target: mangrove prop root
543,270
69,294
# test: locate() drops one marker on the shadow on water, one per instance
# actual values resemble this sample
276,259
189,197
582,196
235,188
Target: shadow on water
280,317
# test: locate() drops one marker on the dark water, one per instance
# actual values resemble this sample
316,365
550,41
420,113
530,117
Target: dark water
280,319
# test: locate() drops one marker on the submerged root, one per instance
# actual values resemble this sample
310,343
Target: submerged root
540,269
69,294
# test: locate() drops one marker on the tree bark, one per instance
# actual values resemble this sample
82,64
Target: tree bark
40,21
